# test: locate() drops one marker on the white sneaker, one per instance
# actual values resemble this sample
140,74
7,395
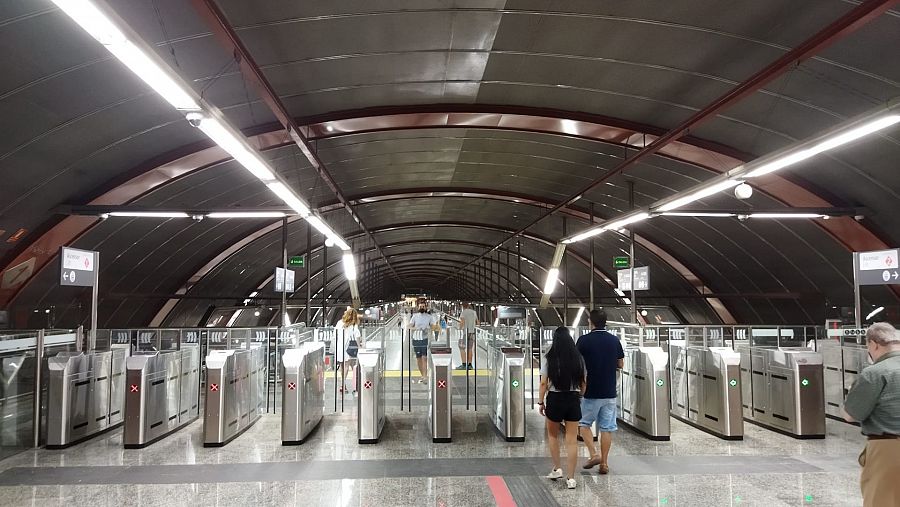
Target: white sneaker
554,474
570,484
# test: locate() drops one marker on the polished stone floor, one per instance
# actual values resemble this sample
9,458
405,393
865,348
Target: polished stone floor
406,468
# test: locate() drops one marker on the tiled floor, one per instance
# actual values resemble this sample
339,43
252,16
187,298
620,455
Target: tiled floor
692,469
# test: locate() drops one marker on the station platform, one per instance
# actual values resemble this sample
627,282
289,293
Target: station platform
406,468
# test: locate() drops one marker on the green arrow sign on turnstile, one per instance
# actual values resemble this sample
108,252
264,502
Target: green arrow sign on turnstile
620,262
733,383
297,260
804,382
515,383
660,382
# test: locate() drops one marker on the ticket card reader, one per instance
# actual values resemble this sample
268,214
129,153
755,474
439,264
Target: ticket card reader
440,395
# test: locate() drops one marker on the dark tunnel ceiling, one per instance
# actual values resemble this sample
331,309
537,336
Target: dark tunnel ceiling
77,125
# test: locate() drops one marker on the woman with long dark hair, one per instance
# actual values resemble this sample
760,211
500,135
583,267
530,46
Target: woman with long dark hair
563,380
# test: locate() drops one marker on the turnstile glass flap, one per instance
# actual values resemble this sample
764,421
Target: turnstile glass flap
657,357
794,357
368,357
725,356
218,358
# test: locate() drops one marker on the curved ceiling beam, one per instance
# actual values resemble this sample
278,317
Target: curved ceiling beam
170,305
36,254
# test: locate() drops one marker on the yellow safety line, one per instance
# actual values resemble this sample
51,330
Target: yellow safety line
456,373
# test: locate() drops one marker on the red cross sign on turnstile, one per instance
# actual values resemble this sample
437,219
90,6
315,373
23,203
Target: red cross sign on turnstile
214,387
368,384
134,388
442,384
292,386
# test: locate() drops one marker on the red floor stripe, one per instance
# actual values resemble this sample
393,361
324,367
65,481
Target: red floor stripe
501,493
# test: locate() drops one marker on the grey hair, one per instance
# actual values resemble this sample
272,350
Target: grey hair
883,333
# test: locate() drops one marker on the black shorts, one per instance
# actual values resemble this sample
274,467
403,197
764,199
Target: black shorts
564,406
420,347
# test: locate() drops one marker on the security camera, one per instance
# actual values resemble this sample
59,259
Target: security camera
194,118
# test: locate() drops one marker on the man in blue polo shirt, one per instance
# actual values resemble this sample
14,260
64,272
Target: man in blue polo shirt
603,356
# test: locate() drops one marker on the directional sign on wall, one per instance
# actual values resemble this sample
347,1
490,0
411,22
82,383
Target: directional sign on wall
78,268
641,278
881,267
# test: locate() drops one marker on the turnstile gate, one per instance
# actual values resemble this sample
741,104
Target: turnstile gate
507,391
370,399
643,399
162,395
302,391
783,389
843,362
235,393
440,393
705,388
84,395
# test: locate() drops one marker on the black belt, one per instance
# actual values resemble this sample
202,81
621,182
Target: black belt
883,437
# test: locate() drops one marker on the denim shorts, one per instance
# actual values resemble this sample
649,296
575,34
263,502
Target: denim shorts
420,347
602,410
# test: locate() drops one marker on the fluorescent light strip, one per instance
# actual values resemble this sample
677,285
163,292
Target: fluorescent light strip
698,214
247,214
828,144
236,146
289,198
608,226
149,214
103,26
875,312
786,215
349,266
706,191
552,278
577,317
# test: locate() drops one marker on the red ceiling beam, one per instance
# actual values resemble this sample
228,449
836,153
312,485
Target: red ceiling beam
842,27
228,37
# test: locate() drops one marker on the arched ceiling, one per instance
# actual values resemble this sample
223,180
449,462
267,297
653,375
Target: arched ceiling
482,104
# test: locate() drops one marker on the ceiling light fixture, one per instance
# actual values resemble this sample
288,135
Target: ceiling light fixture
786,215
698,192
550,283
149,214
829,142
247,214
696,214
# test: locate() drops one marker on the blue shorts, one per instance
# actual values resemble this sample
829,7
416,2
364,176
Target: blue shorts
602,410
420,347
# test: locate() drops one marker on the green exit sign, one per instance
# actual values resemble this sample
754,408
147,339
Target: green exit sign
620,262
297,260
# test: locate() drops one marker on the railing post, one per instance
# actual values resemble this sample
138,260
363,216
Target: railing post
38,380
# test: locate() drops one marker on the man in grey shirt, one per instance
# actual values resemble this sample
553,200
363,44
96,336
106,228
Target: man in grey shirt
874,402
468,319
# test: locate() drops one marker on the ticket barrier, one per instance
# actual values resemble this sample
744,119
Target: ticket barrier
162,395
302,392
84,395
783,389
370,398
643,400
235,393
507,391
842,364
440,393
705,388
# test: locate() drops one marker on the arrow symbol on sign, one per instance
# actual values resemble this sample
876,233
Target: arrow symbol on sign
895,275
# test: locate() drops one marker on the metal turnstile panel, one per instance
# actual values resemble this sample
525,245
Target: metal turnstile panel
370,400
713,393
117,384
790,381
643,399
440,389
232,393
507,396
159,397
678,384
303,391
